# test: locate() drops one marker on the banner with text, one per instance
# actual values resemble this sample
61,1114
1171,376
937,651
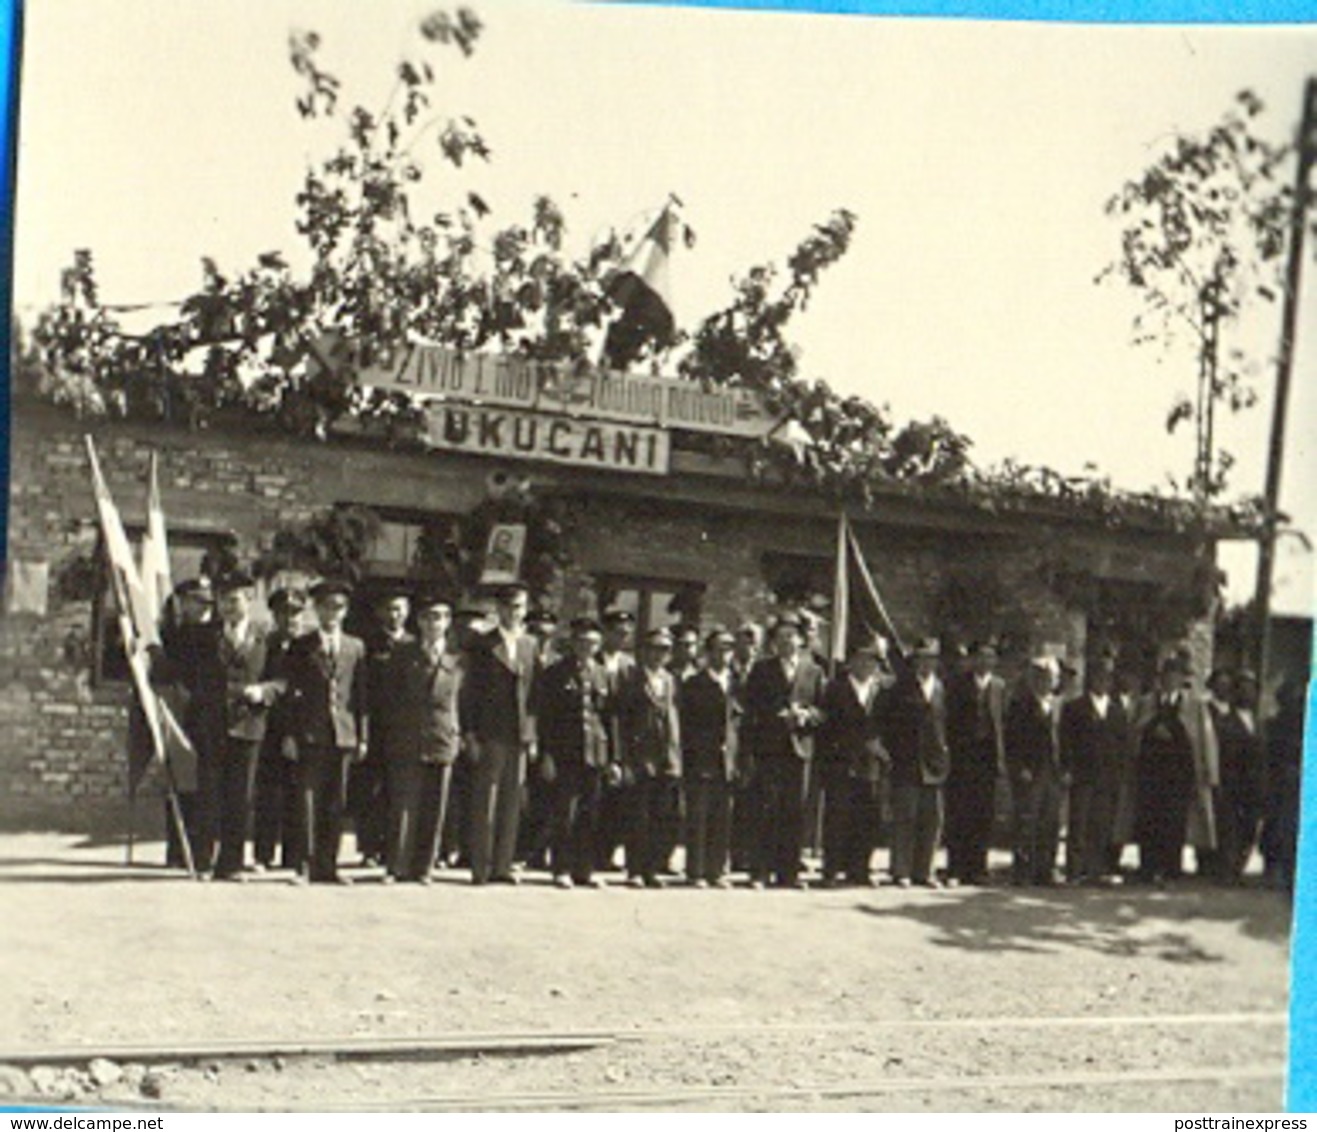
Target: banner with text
518,383
537,436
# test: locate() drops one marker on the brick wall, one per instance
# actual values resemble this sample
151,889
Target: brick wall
62,762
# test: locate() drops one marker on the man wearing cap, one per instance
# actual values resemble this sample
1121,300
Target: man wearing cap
536,816
391,730
498,718
976,706
649,737
710,713
1177,771
617,659
782,698
851,761
327,705
418,759
913,725
572,698
1034,765
186,616
275,803
1093,738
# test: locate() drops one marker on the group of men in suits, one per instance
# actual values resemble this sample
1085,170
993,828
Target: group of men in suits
717,741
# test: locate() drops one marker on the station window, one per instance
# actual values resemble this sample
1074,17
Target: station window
656,603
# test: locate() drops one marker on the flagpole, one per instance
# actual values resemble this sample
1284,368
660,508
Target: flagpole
841,594
121,569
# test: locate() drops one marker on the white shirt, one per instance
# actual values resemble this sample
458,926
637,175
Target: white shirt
330,641
235,634
928,684
722,677
789,669
1101,703
864,689
1246,718
510,640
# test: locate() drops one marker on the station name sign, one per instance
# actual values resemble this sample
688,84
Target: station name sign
539,436
511,382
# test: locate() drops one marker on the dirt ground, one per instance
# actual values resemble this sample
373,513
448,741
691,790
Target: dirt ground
877,1000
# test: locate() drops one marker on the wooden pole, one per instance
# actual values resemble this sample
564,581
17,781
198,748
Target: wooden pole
1307,143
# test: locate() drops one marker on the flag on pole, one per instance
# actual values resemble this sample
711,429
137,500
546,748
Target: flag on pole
643,289
157,584
137,624
858,610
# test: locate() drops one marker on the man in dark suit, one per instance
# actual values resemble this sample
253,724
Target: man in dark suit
1094,733
1033,762
421,718
782,698
498,718
649,737
327,706
851,760
221,664
387,655
572,700
710,713
976,707
913,725
275,802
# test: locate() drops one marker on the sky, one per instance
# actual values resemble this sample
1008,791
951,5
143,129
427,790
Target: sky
977,157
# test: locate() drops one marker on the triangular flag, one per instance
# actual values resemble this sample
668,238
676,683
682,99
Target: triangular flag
157,583
859,614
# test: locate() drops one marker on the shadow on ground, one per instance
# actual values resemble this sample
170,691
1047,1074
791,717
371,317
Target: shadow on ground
1100,920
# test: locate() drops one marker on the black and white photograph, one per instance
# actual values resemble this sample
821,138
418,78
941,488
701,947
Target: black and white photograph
574,557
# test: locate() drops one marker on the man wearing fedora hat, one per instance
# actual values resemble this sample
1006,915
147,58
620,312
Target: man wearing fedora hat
649,736
1178,769
914,729
782,711
710,710
327,707
976,708
852,761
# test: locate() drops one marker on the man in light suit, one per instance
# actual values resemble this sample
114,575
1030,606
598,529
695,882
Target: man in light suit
421,712
498,719
782,710
326,676
914,730
649,738
976,707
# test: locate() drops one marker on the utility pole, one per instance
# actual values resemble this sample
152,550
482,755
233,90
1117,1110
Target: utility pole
1307,144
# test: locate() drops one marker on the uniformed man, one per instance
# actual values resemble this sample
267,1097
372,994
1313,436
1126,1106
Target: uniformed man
572,702
275,803
424,727
327,705
192,606
368,801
